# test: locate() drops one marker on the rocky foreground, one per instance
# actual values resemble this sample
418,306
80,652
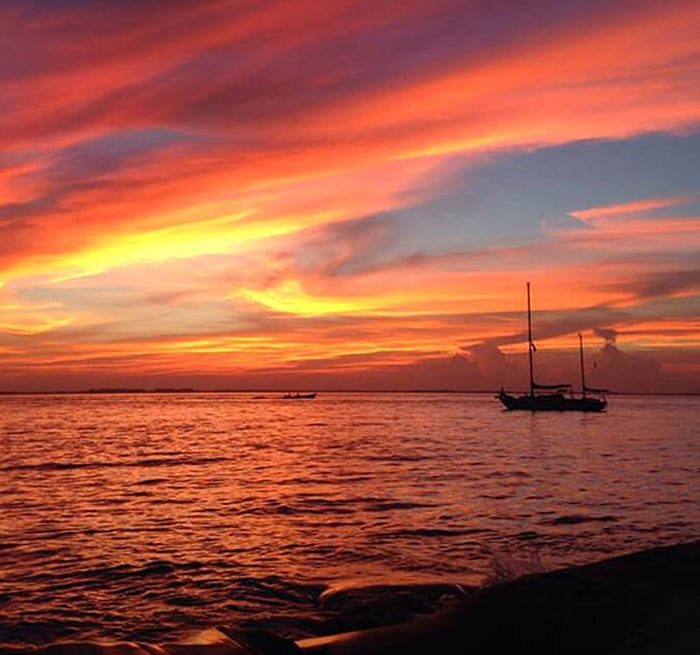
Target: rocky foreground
643,603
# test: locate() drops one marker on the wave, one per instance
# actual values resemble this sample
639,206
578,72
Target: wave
117,573
575,519
145,463
435,532
391,505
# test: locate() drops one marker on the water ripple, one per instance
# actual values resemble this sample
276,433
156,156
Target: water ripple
139,463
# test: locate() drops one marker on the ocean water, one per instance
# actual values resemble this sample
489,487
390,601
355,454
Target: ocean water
147,516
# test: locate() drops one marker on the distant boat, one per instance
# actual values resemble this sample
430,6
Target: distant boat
555,400
298,396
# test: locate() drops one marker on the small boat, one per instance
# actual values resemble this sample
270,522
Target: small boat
298,396
555,400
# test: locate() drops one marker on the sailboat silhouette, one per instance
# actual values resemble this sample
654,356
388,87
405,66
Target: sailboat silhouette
554,400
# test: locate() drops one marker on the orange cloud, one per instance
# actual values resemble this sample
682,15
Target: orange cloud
535,92
633,208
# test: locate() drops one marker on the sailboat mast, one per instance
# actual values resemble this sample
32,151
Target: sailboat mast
580,356
530,345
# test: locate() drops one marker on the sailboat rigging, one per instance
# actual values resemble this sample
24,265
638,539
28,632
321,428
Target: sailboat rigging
555,400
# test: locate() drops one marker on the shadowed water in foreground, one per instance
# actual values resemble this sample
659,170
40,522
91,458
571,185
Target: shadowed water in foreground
643,603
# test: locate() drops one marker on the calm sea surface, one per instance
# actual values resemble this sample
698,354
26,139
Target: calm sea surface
145,516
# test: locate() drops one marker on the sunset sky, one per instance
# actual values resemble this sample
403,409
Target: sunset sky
348,194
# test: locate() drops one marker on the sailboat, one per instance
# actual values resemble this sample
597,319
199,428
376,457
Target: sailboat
551,397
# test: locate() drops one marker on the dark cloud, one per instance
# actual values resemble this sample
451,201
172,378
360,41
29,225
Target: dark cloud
491,362
665,283
12,211
620,371
608,334
551,324
108,153
346,248
370,371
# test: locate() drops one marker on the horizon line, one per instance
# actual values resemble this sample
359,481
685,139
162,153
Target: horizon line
191,390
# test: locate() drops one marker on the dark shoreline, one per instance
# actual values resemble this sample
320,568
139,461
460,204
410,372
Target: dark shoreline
643,603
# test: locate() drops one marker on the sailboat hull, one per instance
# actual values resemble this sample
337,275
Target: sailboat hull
552,403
